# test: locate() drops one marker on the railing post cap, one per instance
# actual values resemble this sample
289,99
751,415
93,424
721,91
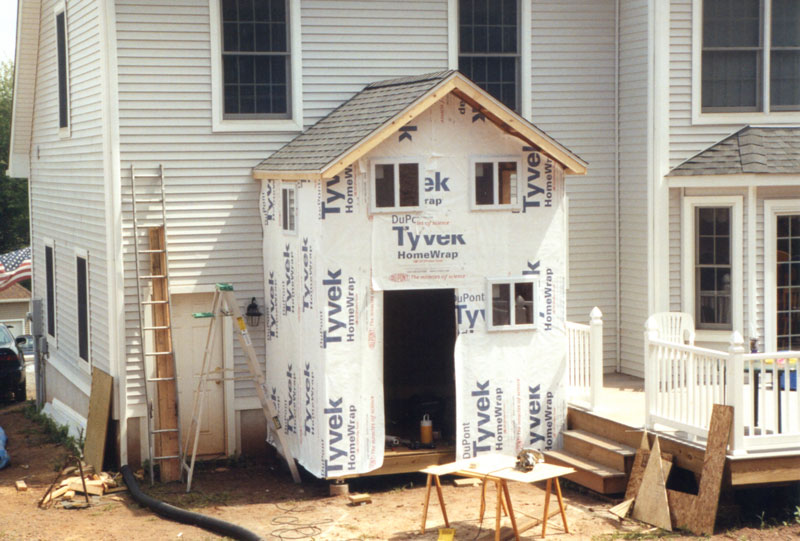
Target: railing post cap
737,339
650,324
596,313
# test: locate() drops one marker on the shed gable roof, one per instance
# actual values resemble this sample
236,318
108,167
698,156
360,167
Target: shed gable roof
749,150
382,108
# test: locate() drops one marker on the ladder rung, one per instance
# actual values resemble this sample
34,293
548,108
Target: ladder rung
156,328
167,457
157,353
155,302
161,430
149,201
161,379
148,251
147,175
152,276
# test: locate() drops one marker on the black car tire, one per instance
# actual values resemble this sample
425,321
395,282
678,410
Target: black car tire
21,393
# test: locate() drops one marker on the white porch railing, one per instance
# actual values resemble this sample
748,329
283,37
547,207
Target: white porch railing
585,360
682,382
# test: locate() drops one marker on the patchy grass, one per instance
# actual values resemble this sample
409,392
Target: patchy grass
54,433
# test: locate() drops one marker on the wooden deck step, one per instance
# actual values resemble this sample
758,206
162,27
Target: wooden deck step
590,474
599,449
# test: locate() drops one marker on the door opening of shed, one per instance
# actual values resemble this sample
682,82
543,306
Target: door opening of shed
419,335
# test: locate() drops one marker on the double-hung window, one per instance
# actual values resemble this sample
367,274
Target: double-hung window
62,66
512,304
750,56
50,288
82,289
395,185
494,183
712,267
255,58
489,47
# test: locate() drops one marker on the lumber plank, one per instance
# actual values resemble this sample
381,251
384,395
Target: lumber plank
359,498
97,421
92,487
168,444
467,482
651,505
622,509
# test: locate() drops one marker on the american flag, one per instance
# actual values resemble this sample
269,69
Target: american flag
15,267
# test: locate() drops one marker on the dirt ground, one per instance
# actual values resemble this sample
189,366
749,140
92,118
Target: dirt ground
262,498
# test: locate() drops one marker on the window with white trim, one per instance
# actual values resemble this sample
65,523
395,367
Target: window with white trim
289,208
512,304
50,289
750,56
711,250
395,185
62,67
488,46
82,291
494,182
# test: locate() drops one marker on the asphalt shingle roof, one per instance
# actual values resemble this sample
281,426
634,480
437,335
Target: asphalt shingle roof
750,150
350,123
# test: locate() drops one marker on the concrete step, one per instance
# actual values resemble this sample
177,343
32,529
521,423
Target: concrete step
598,449
590,474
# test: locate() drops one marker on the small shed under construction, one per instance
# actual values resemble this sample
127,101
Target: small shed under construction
415,263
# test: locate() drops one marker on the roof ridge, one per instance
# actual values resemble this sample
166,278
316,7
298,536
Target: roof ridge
408,80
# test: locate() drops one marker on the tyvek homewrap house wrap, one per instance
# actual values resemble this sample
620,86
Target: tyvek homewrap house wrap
352,268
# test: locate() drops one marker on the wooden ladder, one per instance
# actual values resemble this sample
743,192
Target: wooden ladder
158,359
225,304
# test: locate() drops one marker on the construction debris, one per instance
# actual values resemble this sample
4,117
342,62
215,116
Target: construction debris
87,484
467,482
621,510
651,504
359,499
21,486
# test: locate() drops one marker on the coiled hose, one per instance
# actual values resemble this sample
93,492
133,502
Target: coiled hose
186,517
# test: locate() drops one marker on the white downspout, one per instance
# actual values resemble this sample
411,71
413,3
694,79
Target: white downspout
618,322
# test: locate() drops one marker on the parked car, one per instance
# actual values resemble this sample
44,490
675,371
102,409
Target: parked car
26,347
12,365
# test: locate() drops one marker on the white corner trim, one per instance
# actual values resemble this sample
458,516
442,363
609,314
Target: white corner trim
452,34
688,257
772,209
752,271
293,124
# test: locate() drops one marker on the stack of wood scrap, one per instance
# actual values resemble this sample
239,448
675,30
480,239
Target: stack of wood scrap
74,487
647,498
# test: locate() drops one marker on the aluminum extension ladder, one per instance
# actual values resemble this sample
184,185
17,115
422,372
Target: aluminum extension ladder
225,304
158,364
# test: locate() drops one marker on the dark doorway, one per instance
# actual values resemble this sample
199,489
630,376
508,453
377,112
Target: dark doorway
419,334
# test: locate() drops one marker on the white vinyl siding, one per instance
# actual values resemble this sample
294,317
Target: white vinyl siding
572,80
164,63
67,188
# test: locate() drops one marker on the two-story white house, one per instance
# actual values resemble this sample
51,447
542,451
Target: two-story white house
208,89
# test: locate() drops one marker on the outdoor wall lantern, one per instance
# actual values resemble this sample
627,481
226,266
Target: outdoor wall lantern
253,314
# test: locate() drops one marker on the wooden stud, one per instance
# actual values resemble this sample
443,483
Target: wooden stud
651,504
170,469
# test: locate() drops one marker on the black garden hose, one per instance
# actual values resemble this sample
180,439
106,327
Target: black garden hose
186,517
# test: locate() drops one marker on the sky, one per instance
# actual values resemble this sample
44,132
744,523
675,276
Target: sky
8,28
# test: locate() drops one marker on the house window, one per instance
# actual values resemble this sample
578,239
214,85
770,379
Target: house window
489,51
750,55
289,208
512,304
256,58
713,269
50,286
395,186
494,183
63,71
82,278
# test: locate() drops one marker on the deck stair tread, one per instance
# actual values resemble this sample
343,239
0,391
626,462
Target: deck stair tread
590,474
599,449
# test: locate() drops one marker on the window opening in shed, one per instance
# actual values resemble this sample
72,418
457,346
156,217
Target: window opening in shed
419,334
